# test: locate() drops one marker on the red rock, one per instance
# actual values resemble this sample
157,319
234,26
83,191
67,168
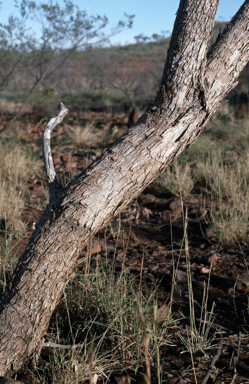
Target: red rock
66,157
57,157
125,120
213,259
59,130
175,380
145,213
70,165
211,232
241,112
181,276
171,216
148,199
134,116
5,380
122,379
163,313
244,279
176,205
161,248
96,248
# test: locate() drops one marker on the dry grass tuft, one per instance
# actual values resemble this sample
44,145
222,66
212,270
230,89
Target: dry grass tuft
83,137
17,167
11,202
177,179
228,188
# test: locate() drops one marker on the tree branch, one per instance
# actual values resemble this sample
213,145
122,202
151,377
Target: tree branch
227,57
53,183
186,58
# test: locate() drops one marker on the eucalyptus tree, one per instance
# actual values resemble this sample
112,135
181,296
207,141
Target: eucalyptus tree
194,83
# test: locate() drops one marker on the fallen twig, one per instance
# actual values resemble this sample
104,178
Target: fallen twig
213,361
55,345
236,357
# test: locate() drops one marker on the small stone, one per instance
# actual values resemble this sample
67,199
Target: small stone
148,199
151,277
175,380
231,291
152,267
66,157
181,276
96,248
145,213
176,205
212,259
163,313
244,279
119,259
171,215
122,379
134,116
211,233
241,111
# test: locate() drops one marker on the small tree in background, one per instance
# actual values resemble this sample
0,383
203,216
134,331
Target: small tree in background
61,30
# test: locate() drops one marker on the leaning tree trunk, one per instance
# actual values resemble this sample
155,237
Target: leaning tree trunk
194,84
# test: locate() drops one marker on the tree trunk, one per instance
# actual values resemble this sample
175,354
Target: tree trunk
194,84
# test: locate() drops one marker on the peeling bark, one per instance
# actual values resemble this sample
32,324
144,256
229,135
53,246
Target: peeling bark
194,83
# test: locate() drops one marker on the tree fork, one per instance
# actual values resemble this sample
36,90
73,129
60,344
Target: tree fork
194,84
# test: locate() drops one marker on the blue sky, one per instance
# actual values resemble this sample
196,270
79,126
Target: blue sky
151,16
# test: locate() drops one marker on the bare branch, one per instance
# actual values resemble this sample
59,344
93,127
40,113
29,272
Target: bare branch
214,359
6,78
49,344
235,359
54,184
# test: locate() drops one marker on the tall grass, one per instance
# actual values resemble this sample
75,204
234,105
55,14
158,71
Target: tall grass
229,194
217,165
104,307
199,337
17,167
178,179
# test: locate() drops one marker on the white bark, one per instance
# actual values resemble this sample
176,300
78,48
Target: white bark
54,185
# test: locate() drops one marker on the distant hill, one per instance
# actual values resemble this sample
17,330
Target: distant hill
122,73
159,47
99,76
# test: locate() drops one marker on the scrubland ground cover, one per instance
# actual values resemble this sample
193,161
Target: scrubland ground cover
164,288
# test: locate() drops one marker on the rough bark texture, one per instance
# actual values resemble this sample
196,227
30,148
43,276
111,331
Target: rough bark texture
194,84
